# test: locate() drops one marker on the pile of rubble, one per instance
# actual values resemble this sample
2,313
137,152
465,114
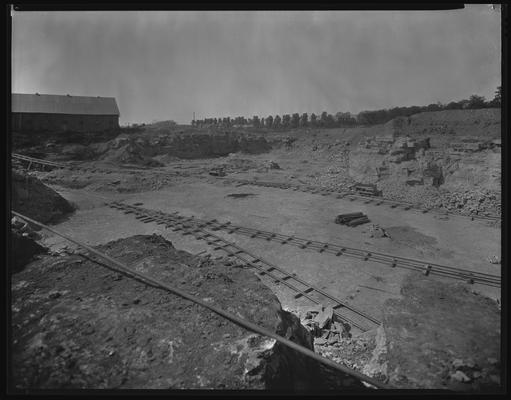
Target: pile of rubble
320,321
217,171
23,229
469,202
467,371
333,339
375,231
472,202
270,164
132,153
494,260
332,181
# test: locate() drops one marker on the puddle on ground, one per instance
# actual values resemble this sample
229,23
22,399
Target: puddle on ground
241,195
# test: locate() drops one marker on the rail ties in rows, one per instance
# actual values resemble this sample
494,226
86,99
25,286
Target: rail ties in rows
119,267
301,288
393,261
354,196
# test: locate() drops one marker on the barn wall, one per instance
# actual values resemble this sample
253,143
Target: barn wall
63,122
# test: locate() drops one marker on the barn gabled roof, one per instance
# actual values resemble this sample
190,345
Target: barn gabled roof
66,104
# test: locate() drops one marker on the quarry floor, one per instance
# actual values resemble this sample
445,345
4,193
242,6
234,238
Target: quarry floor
455,241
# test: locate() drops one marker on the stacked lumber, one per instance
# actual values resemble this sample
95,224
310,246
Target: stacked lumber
352,219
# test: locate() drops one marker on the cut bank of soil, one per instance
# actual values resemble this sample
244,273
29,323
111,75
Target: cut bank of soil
79,325
32,198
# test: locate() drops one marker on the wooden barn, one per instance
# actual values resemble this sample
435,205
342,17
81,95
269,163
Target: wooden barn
57,113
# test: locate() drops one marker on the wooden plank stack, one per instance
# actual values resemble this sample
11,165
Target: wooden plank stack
367,189
352,219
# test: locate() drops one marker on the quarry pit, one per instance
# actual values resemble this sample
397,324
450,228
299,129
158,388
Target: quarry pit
426,330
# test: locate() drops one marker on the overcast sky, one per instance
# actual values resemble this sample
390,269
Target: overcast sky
166,65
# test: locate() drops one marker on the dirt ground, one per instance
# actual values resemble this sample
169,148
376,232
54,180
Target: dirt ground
458,351
320,158
366,285
77,324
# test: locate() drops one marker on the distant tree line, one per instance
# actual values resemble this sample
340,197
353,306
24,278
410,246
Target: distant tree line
295,120
346,119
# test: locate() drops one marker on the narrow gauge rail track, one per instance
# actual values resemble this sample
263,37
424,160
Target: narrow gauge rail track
189,226
352,196
36,161
115,265
336,249
43,164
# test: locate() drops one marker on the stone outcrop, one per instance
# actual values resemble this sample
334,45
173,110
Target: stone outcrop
189,146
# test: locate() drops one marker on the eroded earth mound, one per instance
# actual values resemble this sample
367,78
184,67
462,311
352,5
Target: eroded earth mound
77,324
35,200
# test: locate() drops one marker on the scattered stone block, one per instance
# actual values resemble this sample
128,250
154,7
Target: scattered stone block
460,377
333,338
324,318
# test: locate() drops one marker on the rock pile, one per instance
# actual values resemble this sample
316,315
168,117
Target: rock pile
272,165
320,321
22,228
375,231
134,153
467,371
470,202
494,260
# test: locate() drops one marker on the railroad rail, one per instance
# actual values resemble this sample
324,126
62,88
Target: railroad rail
353,196
349,195
38,161
426,267
117,266
190,226
75,167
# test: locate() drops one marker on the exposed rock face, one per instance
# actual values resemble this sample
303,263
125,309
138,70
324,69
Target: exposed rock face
197,145
79,325
437,335
468,182
482,170
36,200
132,153
397,157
